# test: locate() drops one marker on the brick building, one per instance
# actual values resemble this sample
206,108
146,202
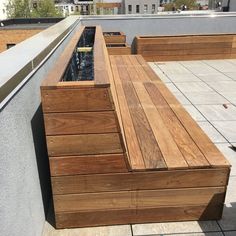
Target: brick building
14,31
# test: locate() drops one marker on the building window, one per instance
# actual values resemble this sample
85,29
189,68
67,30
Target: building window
145,8
153,8
137,9
72,8
129,9
10,45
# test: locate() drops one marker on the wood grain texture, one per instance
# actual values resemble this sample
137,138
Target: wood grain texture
210,151
90,164
187,47
138,199
187,146
134,151
120,38
92,183
119,50
84,144
132,216
71,100
150,150
80,123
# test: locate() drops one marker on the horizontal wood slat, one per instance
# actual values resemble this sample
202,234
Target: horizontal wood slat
139,180
91,164
144,215
80,123
71,100
138,199
63,145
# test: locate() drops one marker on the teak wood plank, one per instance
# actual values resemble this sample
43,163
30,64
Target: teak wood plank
185,39
170,151
101,74
80,123
150,150
144,215
212,154
114,182
89,164
178,46
139,199
188,148
134,151
71,100
84,144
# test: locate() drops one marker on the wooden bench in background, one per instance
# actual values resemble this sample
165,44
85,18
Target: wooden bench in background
118,49
123,150
186,47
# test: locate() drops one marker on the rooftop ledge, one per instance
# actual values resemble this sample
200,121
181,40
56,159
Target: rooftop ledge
19,62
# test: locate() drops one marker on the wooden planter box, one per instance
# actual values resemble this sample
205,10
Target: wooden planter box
118,49
82,129
186,47
114,37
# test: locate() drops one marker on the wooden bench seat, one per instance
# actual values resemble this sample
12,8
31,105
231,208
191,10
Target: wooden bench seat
123,150
159,133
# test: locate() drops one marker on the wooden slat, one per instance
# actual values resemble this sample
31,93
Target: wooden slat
190,151
119,50
170,151
84,144
80,123
138,199
144,215
150,150
178,46
212,154
101,74
71,100
137,161
90,164
128,181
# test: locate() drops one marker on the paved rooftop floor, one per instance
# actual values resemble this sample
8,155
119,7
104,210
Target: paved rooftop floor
207,89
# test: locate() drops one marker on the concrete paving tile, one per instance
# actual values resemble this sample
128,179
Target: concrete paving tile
184,77
231,75
159,72
175,228
212,133
231,97
230,233
120,230
231,192
221,65
214,77
227,129
193,87
228,221
223,86
181,98
196,115
198,67
218,112
172,88
206,98
173,68
229,154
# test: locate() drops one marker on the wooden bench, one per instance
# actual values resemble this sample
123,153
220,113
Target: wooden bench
186,47
130,154
118,49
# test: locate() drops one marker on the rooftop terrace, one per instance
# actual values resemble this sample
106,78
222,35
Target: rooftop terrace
206,88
